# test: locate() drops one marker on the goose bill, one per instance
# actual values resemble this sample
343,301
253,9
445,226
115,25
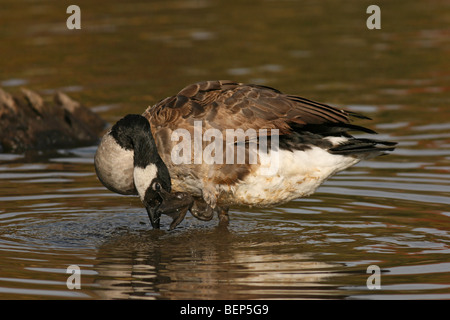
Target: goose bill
154,215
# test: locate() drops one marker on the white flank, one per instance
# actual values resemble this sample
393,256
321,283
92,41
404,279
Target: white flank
143,177
299,174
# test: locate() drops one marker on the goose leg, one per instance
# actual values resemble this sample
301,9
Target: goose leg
224,218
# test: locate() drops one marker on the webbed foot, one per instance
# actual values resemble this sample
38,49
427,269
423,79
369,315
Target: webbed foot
176,206
201,210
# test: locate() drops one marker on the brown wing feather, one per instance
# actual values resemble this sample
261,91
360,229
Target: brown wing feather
228,105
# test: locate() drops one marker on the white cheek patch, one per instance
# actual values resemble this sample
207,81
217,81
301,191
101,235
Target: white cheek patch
143,177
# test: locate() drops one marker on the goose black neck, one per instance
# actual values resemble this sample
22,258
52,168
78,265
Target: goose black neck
145,151
133,133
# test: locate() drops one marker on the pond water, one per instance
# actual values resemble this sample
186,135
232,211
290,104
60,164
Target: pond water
392,212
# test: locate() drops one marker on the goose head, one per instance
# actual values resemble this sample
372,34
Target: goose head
151,176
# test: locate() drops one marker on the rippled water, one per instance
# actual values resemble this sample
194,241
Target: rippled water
393,211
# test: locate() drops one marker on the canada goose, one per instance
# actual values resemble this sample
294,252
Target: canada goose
311,144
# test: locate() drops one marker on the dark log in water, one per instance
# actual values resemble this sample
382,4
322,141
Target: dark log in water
29,123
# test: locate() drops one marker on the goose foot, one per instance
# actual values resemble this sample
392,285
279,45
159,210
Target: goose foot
201,210
176,206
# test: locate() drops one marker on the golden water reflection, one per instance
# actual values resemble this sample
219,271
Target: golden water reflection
210,264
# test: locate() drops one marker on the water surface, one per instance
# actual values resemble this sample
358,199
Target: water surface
393,211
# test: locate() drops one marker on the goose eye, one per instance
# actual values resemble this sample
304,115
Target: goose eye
157,186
